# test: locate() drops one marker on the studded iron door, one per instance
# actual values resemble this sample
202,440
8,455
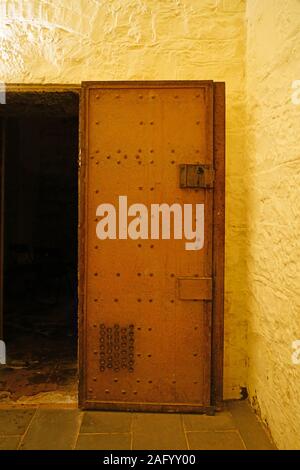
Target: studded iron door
146,312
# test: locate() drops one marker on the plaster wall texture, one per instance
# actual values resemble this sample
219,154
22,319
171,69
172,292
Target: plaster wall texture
273,214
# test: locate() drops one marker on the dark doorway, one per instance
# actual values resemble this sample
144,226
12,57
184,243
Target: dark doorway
40,244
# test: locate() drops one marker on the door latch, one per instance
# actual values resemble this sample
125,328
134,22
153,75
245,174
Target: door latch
196,176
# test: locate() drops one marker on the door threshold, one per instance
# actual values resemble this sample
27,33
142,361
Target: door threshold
149,407
51,399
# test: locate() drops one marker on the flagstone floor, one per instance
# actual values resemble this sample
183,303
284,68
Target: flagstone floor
235,428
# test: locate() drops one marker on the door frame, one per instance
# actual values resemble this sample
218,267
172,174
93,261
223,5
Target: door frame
217,332
217,326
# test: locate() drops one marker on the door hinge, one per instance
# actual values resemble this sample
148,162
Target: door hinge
196,176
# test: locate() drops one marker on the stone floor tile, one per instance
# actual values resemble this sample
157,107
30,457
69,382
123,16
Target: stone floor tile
15,421
106,422
9,442
104,442
250,428
210,440
222,421
158,432
52,429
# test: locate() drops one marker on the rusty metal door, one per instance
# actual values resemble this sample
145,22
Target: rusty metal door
146,312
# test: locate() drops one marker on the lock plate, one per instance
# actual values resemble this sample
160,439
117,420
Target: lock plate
196,176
